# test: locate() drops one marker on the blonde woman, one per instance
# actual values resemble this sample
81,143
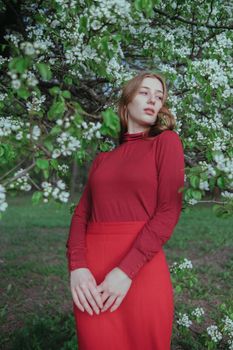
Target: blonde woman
119,277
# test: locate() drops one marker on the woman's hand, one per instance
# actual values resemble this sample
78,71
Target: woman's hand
83,288
114,287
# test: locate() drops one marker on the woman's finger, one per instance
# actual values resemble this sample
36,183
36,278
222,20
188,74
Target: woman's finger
82,298
91,300
104,296
76,299
109,302
96,295
117,303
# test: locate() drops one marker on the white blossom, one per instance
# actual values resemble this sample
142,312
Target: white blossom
184,320
227,194
198,312
57,192
3,203
228,326
192,201
8,125
36,132
68,144
214,333
63,168
21,182
61,185
16,84
204,185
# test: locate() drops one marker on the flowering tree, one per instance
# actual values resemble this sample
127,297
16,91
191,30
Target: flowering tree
63,63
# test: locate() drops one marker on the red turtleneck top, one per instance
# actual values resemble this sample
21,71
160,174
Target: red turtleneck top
136,181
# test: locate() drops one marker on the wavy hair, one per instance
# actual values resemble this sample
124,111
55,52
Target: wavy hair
165,119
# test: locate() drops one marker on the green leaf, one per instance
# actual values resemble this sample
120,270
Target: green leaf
195,181
212,181
42,163
44,71
2,150
54,91
49,145
196,194
178,289
55,130
36,197
110,122
104,147
66,94
221,182
19,64
23,93
72,207
54,163
46,173
56,110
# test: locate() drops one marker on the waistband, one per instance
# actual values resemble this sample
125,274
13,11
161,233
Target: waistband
114,227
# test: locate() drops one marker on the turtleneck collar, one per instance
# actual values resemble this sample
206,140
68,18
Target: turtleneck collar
133,136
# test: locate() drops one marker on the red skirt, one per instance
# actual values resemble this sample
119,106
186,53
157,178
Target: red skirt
145,317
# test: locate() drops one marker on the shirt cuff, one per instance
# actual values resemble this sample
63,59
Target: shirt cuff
132,263
74,263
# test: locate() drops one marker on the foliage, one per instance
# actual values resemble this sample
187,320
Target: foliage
63,64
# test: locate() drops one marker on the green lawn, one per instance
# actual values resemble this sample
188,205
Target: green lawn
36,306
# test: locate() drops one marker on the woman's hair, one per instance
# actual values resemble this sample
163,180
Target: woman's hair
165,119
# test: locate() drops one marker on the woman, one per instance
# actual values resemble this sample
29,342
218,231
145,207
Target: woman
128,210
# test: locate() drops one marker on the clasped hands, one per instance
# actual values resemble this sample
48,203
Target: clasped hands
86,293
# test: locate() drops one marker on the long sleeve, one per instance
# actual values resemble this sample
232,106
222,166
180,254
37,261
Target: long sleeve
76,242
155,233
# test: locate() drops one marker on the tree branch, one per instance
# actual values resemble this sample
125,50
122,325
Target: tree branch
198,24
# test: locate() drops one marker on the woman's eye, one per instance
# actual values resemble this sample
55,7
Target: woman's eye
145,92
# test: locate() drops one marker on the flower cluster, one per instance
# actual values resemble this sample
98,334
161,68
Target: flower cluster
227,194
14,38
66,122
56,192
21,182
208,168
204,185
184,320
30,78
91,130
228,326
2,96
186,264
230,343
225,164
213,69
3,203
33,48
67,143
198,312
35,104
8,124
36,132
214,333
63,168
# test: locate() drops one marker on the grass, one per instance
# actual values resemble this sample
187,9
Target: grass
36,306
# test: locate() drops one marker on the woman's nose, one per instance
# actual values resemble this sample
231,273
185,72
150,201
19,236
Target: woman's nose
151,99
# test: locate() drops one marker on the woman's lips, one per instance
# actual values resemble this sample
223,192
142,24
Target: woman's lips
149,111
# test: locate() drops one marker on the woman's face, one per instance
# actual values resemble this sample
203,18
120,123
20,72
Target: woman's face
143,109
